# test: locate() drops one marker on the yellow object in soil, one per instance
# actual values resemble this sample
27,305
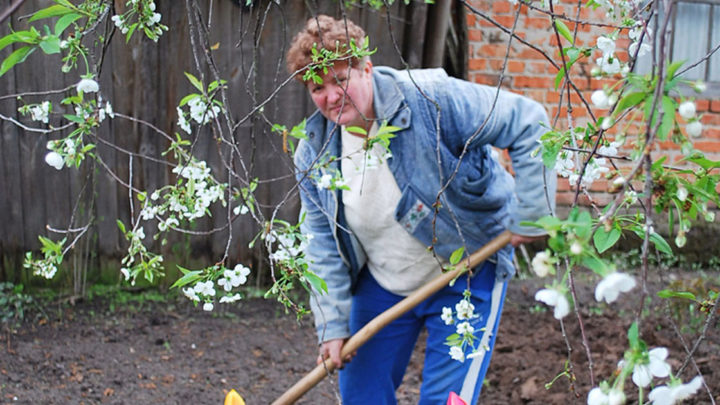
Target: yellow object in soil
233,398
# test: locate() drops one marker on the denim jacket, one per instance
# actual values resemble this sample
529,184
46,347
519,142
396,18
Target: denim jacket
480,200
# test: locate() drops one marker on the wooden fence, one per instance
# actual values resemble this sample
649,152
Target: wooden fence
145,80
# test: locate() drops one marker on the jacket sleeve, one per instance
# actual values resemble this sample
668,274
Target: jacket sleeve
332,309
514,123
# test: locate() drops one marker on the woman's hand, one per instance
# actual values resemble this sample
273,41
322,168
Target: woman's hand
516,239
332,349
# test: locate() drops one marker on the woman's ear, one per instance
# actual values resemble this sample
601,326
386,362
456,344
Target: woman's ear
368,67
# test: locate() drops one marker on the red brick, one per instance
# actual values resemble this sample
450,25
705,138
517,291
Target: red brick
490,80
493,50
711,119
506,21
713,133
515,66
528,53
477,64
707,146
533,82
470,19
536,22
538,67
475,35
496,64
715,106
702,105
501,7
668,145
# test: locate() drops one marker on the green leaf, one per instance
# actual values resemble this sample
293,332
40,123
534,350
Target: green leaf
596,264
674,67
604,240
634,335
52,11
20,36
121,226
457,255
64,22
317,282
660,243
356,130
559,76
668,119
50,45
194,81
563,30
631,100
187,98
676,294
74,118
189,277
18,56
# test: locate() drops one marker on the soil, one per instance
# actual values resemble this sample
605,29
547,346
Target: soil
177,354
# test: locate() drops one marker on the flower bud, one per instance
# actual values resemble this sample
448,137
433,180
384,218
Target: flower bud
687,110
694,128
576,248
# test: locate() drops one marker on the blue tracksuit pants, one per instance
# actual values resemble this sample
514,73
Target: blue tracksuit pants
377,371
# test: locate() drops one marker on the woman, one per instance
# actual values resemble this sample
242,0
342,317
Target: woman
384,217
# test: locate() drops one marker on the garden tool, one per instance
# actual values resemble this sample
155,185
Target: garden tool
392,313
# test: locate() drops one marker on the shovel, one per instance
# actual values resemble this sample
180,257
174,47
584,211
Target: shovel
411,301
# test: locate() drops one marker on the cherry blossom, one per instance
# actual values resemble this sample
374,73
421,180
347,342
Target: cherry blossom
655,366
610,287
465,310
687,110
447,315
612,396
542,264
55,160
464,328
694,128
86,85
457,353
674,393
556,299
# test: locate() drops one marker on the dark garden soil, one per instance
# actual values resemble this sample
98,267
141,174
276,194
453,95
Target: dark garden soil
177,354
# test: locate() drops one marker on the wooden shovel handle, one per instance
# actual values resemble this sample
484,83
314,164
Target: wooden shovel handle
411,301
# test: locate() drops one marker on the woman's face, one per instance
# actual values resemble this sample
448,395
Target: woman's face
345,95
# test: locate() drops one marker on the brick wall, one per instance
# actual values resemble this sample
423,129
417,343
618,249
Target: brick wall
529,72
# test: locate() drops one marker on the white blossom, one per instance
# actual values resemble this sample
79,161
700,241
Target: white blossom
457,354
447,315
564,163
674,393
606,45
40,112
464,328
644,49
229,298
600,99
694,128
241,209
656,366
191,294
465,310
87,86
699,86
687,110
542,264
613,396
576,248
610,287
609,150
126,273
608,64
205,288
555,299
208,306
682,193
55,160
325,181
